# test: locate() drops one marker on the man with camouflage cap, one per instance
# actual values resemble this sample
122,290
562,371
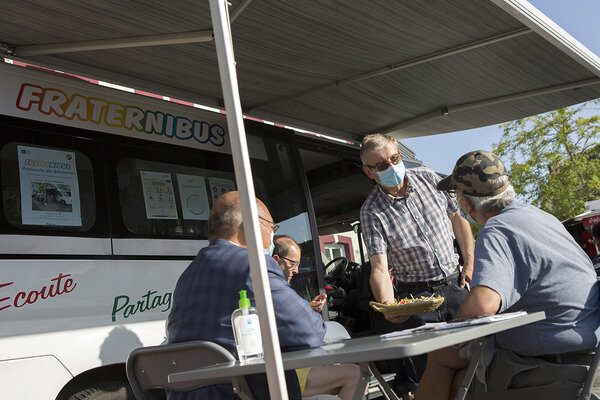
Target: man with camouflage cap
524,260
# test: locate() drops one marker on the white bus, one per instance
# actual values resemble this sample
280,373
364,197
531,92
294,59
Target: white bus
84,281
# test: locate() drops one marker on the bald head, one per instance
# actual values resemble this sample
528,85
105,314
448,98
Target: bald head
284,245
225,219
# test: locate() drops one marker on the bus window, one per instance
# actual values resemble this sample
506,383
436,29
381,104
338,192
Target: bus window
45,188
277,183
165,199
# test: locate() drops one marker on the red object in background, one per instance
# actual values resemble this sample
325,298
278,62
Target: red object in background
587,242
590,221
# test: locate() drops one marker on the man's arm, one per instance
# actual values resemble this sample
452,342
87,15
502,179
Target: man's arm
481,300
298,325
464,236
381,284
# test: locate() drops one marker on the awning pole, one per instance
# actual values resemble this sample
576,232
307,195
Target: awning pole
119,43
243,175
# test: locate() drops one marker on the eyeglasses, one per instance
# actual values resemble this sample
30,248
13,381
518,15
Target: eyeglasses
295,263
273,226
382,166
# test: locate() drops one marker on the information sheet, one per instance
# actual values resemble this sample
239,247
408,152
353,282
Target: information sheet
194,200
158,195
220,186
49,187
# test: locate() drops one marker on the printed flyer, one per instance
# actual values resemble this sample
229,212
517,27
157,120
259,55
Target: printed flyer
220,186
158,195
49,187
194,200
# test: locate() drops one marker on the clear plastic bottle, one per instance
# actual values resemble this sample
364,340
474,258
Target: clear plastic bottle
246,331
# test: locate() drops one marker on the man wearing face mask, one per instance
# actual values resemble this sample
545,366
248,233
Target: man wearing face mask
405,228
208,291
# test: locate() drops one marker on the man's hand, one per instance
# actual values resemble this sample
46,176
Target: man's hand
398,318
318,302
465,276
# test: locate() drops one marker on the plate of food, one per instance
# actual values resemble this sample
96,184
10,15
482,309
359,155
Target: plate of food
408,306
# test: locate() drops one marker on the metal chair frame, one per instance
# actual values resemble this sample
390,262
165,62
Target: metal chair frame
149,367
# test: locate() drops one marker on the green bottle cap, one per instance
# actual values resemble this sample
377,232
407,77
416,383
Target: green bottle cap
244,302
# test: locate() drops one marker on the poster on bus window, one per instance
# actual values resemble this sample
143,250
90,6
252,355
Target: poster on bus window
220,186
49,187
159,197
194,200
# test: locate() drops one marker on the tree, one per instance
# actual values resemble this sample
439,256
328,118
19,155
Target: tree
554,158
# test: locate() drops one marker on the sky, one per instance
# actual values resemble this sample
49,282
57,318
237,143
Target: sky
580,18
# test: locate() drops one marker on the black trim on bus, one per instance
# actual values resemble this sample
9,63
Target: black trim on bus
313,227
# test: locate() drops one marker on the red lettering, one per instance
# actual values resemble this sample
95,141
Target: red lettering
43,294
58,279
68,283
57,287
5,298
20,294
29,296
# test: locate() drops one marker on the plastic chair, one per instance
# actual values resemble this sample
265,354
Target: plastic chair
149,367
335,332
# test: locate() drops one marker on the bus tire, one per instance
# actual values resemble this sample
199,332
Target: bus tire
116,390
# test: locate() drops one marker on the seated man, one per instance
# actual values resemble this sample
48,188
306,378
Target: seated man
524,260
340,380
207,293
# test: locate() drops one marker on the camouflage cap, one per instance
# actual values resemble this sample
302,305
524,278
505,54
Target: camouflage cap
474,174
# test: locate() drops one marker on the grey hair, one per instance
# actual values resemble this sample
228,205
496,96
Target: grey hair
225,220
374,142
493,204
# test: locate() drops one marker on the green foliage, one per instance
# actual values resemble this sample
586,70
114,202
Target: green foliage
554,158
475,230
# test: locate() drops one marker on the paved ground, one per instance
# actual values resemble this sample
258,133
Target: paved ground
596,388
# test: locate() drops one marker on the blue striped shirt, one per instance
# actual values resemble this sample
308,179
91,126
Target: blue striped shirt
413,231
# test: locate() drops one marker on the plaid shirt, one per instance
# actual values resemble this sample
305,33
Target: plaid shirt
413,231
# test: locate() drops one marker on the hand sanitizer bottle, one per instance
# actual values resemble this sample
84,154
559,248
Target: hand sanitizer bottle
246,331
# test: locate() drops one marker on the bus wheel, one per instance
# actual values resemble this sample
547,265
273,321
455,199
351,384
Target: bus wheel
105,391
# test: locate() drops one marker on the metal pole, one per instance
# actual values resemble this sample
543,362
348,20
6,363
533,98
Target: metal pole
358,230
119,43
243,175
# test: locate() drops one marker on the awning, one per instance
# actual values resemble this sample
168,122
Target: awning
346,67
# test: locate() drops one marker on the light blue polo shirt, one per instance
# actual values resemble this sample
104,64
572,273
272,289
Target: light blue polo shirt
528,257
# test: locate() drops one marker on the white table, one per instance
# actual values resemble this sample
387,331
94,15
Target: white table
365,350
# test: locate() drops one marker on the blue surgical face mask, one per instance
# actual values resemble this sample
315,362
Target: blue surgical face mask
464,214
467,216
269,251
393,176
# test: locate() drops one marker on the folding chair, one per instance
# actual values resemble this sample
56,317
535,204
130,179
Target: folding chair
149,367
587,394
